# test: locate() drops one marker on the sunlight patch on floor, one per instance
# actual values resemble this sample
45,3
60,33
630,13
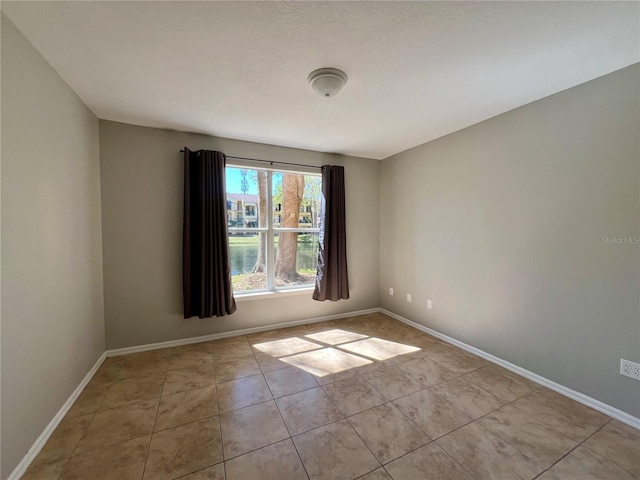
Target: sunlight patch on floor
379,349
326,354
287,346
326,361
335,336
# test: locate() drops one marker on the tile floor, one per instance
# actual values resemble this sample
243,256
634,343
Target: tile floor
364,397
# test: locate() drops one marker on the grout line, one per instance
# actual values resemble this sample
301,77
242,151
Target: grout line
607,458
455,461
304,467
290,436
256,449
218,409
243,407
426,444
185,423
96,449
146,458
558,461
84,433
224,459
155,420
282,418
387,471
413,423
365,443
370,471
352,428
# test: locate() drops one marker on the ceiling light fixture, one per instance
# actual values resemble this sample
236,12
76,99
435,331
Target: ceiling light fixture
327,81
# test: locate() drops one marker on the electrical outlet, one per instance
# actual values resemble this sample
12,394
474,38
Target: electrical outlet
630,369
409,297
391,291
429,304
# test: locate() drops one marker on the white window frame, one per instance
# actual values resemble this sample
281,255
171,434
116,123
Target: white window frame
270,230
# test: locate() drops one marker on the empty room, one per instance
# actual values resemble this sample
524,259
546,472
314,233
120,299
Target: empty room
320,240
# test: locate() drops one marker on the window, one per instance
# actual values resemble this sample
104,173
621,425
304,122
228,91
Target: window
278,248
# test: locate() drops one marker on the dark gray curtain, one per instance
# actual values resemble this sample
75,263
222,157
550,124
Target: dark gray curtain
332,281
206,273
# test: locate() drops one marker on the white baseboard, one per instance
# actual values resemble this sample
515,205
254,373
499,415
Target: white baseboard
534,377
579,397
44,436
53,424
234,333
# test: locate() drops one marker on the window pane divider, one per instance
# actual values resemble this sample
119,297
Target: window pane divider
270,253
298,230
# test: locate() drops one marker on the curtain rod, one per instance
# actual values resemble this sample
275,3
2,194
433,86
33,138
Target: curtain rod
269,161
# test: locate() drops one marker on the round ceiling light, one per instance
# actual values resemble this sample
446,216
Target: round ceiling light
327,81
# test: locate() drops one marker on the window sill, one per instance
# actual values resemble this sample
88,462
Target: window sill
247,297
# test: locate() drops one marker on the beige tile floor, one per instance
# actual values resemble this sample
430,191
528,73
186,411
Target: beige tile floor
364,397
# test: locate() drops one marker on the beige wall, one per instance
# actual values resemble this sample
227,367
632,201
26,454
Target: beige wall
52,305
141,173
502,226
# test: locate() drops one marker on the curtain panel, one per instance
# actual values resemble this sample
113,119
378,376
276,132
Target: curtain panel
332,282
207,289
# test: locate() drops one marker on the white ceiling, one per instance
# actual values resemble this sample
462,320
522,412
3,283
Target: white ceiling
417,71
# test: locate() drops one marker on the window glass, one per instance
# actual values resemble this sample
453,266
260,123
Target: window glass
296,255
291,229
